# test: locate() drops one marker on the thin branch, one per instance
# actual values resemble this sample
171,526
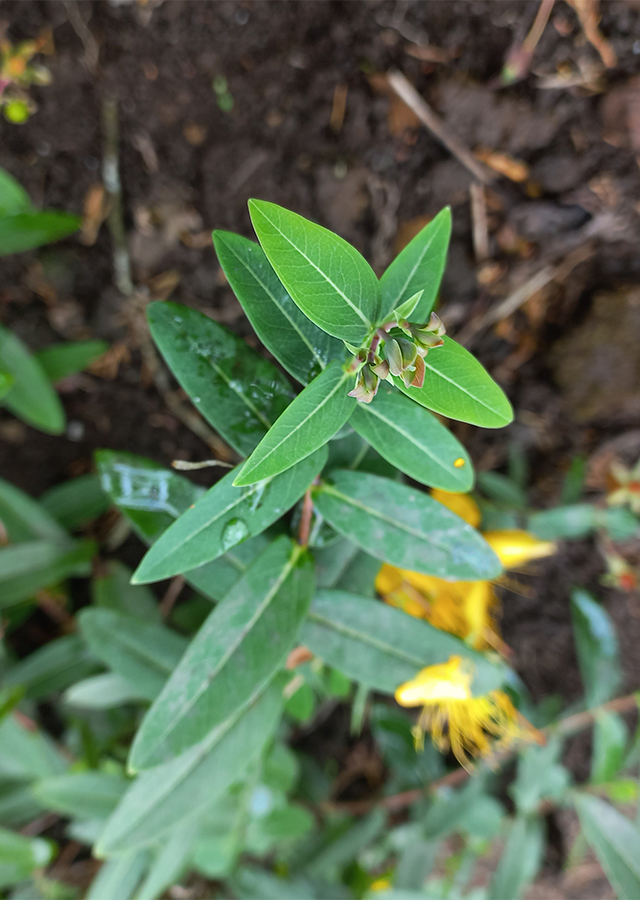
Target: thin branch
565,727
408,94
111,178
305,519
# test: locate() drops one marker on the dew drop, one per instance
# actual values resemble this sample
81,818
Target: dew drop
234,531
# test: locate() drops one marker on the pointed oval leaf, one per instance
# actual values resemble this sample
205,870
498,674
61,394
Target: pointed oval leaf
383,647
225,516
31,398
307,424
61,360
13,197
182,788
413,440
28,230
328,279
520,860
236,652
597,648
152,498
27,568
419,267
88,795
237,391
615,841
458,387
142,652
52,668
299,345
405,527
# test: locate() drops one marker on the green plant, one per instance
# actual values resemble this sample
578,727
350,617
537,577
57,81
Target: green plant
174,753
25,379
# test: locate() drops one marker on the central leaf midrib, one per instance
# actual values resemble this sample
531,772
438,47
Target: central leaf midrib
302,422
283,311
353,306
231,649
328,489
262,418
364,638
459,387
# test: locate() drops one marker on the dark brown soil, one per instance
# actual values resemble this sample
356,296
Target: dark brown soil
187,166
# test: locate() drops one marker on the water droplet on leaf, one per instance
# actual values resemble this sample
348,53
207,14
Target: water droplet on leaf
234,531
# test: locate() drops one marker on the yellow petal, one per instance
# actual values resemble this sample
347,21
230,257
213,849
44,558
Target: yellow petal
462,505
448,681
388,579
514,547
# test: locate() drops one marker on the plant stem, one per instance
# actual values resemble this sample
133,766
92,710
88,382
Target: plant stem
305,519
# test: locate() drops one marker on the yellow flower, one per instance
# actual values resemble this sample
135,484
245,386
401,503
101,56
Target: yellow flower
462,505
455,718
514,547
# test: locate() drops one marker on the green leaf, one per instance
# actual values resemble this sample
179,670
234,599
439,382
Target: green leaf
610,739
161,798
237,391
20,856
299,345
309,422
76,502
225,516
360,576
404,310
143,653
563,522
13,197
7,381
170,862
615,841
382,647
111,588
502,490
520,861
27,568
414,441
104,691
405,527
236,652
53,667
26,754
152,498
119,877
419,267
62,360
31,398
28,230
596,647
87,795
26,519
458,387
540,777
324,275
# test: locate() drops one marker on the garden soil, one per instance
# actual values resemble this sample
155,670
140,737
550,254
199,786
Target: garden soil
288,101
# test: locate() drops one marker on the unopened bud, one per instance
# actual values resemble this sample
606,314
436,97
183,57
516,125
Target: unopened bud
381,368
394,356
366,387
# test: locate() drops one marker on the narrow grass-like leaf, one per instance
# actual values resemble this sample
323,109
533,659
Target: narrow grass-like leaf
309,422
520,860
382,647
161,798
225,516
413,440
236,652
236,390
104,691
419,267
31,398
615,841
28,230
27,568
597,648
142,652
405,527
26,519
62,360
325,276
457,386
299,345
52,668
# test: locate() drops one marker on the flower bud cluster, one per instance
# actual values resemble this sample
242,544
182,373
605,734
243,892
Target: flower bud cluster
404,353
